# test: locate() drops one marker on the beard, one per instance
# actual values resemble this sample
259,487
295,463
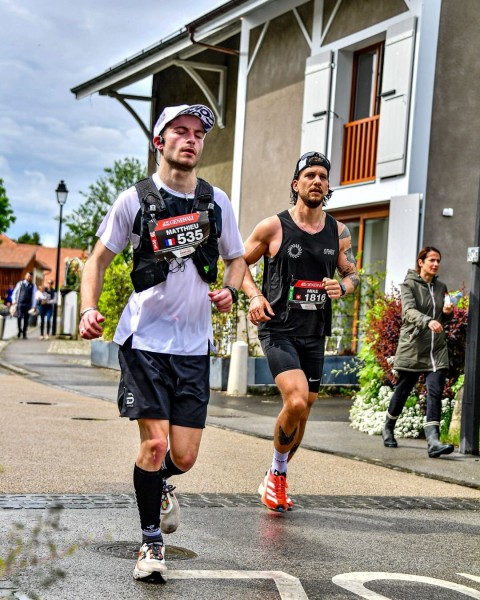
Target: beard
311,202
178,165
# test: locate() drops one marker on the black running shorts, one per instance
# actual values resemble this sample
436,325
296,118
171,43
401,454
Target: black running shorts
285,353
163,386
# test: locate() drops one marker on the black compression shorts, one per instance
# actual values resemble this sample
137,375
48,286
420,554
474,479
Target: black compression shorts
285,353
164,386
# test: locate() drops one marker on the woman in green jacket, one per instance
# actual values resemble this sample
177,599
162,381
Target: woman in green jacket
422,348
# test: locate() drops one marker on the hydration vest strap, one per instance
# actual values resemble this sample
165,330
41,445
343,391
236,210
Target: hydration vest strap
149,195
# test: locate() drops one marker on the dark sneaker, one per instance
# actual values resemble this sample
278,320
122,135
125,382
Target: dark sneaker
169,509
151,562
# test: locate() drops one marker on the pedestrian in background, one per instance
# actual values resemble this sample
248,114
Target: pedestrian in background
24,298
302,249
47,299
178,226
422,348
9,295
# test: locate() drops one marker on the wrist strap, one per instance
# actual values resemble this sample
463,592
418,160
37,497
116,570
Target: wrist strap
88,309
257,296
233,291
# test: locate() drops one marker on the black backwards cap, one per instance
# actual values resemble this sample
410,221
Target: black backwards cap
310,159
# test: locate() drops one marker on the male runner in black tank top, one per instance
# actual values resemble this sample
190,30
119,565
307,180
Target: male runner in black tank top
302,248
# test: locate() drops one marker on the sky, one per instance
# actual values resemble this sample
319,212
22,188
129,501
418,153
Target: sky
46,135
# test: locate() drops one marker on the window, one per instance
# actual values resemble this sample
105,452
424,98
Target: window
367,66
369,232
361,133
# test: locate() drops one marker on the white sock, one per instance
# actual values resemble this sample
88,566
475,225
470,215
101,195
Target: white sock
279,462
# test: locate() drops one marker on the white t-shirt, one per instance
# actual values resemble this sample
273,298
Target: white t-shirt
173,317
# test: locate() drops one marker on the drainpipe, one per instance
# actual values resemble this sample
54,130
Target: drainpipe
191,32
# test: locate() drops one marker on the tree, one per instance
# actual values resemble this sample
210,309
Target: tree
84,222
30,238
7,217
69,240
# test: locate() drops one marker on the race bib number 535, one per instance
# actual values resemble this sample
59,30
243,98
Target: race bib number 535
179,236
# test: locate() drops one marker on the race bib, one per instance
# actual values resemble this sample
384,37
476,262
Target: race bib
177,237
307,295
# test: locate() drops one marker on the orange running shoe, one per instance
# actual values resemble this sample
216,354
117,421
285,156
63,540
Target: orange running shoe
273,491
261,489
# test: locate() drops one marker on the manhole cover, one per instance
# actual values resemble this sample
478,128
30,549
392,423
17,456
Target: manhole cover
41,403
88,419
130,550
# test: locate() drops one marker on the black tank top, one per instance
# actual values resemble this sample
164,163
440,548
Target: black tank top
302,257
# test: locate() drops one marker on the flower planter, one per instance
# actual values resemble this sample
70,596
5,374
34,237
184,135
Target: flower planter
105,354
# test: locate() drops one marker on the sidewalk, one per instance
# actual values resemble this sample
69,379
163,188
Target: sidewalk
65,365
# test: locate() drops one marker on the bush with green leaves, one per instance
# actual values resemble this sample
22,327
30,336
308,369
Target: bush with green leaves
228,326
117,288
83,222
377,378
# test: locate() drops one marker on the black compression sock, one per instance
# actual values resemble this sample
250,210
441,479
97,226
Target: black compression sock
169,468
148,491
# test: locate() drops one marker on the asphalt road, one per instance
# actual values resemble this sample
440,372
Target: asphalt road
358,530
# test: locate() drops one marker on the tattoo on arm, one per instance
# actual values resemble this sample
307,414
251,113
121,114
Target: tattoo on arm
284,439
355,279
349,256
345,233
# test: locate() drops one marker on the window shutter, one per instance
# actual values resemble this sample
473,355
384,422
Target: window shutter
395,99
316,103
403,237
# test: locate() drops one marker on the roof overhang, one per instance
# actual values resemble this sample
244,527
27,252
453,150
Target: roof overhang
212,28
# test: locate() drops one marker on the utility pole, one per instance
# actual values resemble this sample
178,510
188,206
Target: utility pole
470,424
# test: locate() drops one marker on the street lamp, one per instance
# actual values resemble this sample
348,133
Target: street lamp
62,194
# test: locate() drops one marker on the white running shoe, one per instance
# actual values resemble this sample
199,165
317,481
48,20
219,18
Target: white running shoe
151,562
169,509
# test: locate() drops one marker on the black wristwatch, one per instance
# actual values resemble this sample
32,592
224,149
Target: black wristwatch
234,293
344,289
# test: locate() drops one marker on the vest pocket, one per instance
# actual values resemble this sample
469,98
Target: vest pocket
149,275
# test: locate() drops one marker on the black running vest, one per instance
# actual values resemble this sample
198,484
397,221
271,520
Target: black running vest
147,270
301,257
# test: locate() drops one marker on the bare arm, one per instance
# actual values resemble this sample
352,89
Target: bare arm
92,283
346,266
263,241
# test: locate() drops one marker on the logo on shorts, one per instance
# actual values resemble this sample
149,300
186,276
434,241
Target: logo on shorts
130,399
294,251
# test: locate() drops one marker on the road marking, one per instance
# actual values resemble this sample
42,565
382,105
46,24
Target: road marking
354,582
289,587
472,577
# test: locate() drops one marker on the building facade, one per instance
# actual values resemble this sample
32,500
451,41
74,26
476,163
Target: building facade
387,89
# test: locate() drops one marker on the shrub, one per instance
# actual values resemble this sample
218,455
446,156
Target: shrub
117,288
228,326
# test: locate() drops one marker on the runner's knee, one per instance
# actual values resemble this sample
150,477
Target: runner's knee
185,460
296,406
153,451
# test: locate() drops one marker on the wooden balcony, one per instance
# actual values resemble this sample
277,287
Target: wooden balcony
360,150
